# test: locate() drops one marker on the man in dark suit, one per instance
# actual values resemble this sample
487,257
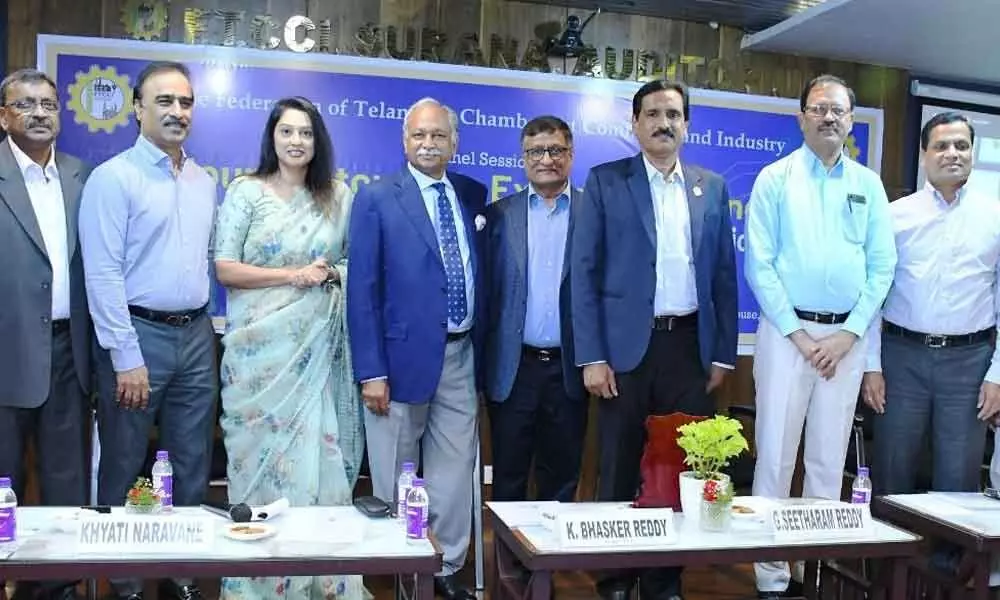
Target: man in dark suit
45,359
538,407
416,311
654,297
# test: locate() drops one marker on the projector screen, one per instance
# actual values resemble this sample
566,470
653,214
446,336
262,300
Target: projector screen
985,151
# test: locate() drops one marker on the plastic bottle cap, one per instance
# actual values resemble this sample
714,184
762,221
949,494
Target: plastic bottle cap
862,471
418,482
409,467
162,455
5,482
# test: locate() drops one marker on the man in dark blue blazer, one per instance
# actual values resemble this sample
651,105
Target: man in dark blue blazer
538,406
654,297
417,318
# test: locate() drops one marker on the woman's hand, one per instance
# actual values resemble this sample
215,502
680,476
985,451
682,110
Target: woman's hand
311,275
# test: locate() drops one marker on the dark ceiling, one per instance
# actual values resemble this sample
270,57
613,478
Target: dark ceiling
750,15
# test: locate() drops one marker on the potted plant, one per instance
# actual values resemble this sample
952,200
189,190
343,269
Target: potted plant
708,447
142,498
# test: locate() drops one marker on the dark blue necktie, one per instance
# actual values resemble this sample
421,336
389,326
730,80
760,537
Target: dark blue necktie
453,267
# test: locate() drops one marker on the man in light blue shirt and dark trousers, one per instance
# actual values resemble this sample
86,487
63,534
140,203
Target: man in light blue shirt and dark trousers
538,405
820,259
146,220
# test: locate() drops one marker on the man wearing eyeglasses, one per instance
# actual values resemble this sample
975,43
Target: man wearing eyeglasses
537,405
654,299
820,258
45,357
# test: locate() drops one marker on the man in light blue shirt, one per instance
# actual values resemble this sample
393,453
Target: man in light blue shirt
146,219
538,405
820,258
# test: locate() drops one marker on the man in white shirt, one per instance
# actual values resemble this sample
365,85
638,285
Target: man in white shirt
45,327
934,371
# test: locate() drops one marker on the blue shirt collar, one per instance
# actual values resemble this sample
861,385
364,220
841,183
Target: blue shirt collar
425,181
155,155
562,200
816,165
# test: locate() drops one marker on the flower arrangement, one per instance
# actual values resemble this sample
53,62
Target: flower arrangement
142,498
716,505
710,444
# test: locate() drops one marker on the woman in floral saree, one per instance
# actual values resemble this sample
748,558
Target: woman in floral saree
291,412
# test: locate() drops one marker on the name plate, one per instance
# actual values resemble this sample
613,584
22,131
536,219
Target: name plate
144,534
647,527
822,521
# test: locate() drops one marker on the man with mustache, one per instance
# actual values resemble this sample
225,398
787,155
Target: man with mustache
416,310
654,298
933,368
146,220
45,359
819,259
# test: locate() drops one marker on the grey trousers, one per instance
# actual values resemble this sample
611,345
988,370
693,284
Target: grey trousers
930,391
445,430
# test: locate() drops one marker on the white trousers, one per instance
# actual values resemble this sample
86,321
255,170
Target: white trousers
790,393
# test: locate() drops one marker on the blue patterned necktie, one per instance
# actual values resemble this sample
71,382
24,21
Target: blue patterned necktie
453,267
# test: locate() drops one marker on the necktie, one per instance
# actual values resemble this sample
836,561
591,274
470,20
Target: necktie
453,267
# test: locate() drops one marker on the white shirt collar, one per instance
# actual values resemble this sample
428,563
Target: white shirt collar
933,191
425,181
652,171
26,165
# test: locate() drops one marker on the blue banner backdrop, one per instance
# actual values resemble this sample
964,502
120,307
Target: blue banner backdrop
364,101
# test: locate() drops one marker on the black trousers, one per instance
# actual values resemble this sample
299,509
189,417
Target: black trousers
669,378
538,422
59,429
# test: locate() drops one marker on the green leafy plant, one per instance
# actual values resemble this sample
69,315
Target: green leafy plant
710,444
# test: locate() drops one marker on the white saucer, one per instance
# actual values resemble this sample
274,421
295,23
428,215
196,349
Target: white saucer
258,531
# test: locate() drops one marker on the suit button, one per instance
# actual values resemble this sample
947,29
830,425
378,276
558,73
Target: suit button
45,320
650,301
444,323
45,285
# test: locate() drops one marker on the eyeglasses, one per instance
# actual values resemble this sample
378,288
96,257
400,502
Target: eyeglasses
820,110
27,105
554,152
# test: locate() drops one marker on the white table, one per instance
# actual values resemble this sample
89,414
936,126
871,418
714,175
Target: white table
309,541
968,519
523,540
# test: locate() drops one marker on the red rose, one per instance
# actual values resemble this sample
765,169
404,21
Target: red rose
711,491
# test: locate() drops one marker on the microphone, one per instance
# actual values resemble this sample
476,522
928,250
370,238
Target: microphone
237,513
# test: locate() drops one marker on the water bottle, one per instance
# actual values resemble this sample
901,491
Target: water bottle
417,505
163,479
8,513
403,486
861,491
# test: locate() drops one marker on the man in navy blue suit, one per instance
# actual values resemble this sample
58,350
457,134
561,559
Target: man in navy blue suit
654,298
417,320
538,407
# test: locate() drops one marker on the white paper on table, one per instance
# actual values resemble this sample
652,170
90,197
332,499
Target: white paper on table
933,504
323,527
968,500
269,511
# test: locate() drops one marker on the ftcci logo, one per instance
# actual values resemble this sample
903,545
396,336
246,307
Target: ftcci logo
101,99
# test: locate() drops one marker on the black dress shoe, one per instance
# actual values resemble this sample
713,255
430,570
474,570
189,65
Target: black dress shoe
181,592
614,590
447,587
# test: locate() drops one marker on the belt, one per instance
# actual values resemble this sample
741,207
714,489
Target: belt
454,336
938,341
60,325
671,322
174,319
826,318
542,354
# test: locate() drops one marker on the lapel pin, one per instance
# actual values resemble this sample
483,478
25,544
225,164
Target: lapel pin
697,191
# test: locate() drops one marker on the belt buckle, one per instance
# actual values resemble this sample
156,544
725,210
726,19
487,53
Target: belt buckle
544,355
936,341
178,320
